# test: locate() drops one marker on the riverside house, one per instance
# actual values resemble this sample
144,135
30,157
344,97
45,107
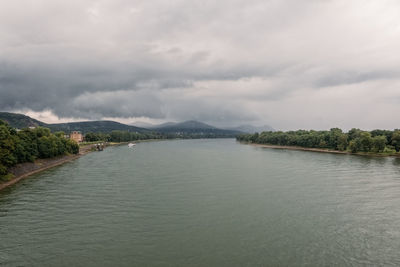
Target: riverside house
76,136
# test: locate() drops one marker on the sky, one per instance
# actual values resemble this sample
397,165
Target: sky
312,64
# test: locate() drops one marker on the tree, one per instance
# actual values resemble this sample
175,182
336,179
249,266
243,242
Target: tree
354,133
26,145
59,134
342,142
396,140
379,143
72,146
41,131
355,145
7,146
45,147
366,141
254,138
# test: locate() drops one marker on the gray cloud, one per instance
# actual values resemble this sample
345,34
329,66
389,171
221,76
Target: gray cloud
225,62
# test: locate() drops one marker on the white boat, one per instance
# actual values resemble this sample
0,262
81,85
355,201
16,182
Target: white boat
131,145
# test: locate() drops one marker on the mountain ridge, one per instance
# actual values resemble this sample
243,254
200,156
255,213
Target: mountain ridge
186,128
22,121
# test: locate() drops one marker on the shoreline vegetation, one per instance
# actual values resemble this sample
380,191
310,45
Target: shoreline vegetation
355,142
29,145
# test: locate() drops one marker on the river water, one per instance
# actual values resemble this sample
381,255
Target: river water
205,203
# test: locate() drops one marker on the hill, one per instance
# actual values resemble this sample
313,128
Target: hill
163,125
252,129
195,128
152,126
22,121
187,129
94,127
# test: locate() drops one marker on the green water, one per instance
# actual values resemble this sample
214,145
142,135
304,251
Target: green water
205,203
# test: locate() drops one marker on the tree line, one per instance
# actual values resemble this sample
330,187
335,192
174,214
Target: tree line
354,141
125,136
26,145
121,136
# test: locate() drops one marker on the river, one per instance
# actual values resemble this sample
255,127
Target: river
205,203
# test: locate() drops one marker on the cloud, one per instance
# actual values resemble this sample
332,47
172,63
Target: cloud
117,104
227,62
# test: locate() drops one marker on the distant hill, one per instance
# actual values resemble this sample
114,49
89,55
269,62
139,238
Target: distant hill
186,125
163,125
152,126
94,126
194,127
187,129
22,121
252,129
142,124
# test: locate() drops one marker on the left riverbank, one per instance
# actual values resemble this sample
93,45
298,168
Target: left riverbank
24,170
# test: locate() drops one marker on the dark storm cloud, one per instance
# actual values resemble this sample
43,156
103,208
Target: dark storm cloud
222,62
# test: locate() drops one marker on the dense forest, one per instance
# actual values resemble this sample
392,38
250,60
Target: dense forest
354,141
26,145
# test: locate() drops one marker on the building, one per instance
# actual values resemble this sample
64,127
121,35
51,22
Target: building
76,136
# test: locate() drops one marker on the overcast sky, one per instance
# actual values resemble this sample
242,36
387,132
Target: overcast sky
288,63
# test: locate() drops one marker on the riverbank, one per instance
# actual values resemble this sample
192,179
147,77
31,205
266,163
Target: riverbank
26,169
321,150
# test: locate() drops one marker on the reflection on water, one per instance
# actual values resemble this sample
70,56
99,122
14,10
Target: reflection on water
205,203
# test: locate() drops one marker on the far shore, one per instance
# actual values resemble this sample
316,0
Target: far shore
321,150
